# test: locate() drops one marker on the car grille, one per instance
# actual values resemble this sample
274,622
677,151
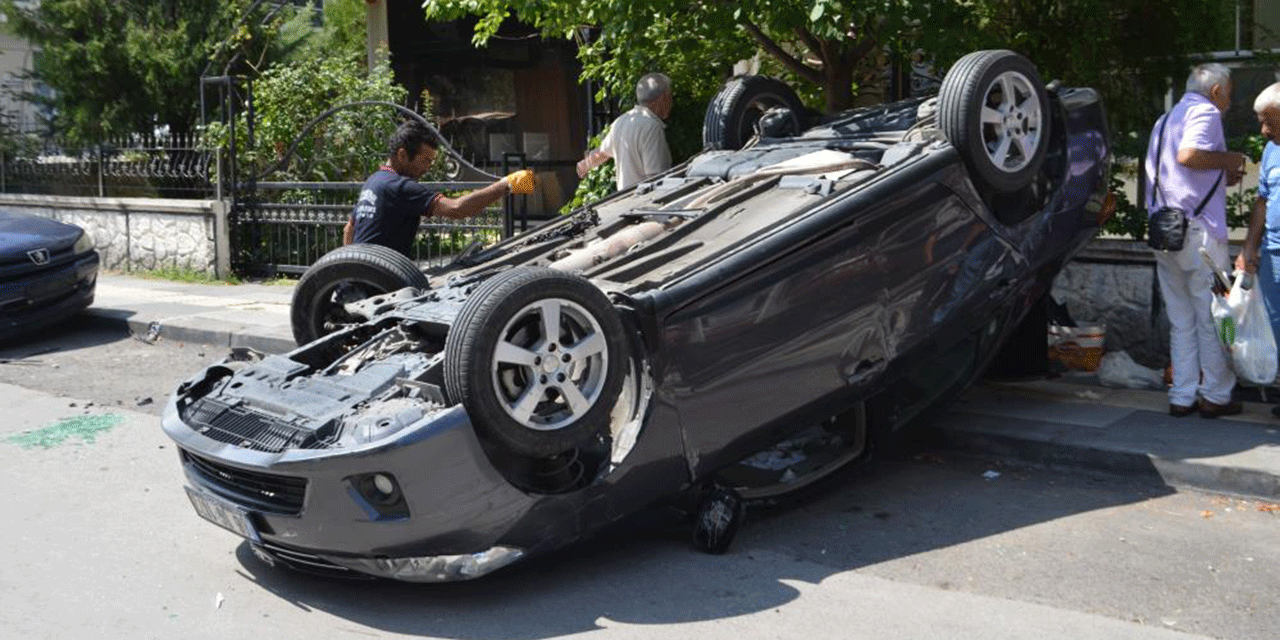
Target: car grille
21,267
263,491
306,562
248,429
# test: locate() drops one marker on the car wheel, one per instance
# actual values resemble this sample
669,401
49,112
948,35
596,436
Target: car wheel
732,115
537,357
994,109
347,274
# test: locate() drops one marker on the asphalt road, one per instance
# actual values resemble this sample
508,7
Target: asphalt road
102,543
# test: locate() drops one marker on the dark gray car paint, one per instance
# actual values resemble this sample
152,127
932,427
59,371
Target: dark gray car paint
788,325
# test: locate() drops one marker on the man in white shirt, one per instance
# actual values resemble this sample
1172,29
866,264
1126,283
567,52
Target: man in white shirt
637,140
1195,168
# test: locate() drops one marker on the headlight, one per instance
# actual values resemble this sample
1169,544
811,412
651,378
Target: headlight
84,244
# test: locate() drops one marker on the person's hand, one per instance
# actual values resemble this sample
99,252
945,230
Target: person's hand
1236,173
522,181
1248,265
583,168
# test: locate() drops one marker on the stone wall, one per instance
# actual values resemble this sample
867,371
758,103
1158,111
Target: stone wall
1113,281
141,233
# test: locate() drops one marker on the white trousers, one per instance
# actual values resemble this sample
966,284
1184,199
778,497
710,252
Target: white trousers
1186,284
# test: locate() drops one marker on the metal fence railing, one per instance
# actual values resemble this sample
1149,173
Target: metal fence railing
284,227
277,228
169,166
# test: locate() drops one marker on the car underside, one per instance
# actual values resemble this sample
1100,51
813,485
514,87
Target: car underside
734,329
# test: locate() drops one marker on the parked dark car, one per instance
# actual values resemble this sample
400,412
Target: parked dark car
48,270
732,330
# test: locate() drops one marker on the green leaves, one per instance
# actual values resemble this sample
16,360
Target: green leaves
346,146
819,8
125,66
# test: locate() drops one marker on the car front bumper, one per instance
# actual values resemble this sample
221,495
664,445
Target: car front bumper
302,507
45,297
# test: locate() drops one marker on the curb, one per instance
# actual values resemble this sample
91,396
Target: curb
1223,477
216,334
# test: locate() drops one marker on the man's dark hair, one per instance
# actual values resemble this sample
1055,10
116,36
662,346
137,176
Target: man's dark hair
411,135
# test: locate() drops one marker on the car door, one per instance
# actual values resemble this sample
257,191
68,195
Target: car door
799,329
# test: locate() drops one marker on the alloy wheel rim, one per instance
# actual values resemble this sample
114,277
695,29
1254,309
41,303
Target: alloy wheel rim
1012,118
549,365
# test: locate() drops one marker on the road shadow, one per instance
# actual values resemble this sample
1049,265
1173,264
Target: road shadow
81,331
645,571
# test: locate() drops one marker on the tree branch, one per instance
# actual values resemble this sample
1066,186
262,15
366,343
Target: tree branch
809,40
865,43
863,47
801,69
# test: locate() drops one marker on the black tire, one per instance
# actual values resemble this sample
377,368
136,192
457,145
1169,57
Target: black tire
347,274
732,115
502,310
1004,150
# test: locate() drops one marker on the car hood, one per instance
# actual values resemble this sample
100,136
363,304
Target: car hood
21,232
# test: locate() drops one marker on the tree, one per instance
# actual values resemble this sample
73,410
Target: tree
830,44
123,66
823,42
345,146
1129,50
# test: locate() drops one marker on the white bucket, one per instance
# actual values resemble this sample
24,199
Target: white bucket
1078,348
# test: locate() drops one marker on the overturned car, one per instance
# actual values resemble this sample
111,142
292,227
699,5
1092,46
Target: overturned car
734,329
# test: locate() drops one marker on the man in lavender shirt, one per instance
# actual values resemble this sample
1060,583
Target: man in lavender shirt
1194,165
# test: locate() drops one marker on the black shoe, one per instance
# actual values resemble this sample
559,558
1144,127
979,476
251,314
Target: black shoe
1179,411
1211,410
1275,411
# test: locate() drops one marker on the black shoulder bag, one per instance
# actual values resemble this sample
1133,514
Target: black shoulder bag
1167,226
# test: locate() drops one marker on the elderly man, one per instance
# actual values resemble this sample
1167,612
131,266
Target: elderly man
1193,164
1264,225
637,141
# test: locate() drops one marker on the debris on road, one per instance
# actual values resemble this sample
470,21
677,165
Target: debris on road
991,475
86,428
142,402
152,335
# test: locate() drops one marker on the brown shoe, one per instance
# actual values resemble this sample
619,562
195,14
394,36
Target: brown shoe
1211,410
1179,411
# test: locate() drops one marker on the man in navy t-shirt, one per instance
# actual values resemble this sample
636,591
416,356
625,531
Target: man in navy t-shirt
392,201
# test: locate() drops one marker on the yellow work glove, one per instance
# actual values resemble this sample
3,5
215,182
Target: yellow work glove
522,181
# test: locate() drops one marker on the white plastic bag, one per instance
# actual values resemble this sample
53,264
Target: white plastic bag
1242,323
1120,371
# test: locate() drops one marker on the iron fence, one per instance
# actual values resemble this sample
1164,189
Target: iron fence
281,228
145,166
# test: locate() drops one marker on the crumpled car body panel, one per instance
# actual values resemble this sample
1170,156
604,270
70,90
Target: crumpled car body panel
763,304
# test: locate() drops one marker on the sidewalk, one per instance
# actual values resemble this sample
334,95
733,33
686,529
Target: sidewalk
1068,421
244,315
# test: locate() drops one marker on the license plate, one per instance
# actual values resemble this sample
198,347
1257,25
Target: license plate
223,514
